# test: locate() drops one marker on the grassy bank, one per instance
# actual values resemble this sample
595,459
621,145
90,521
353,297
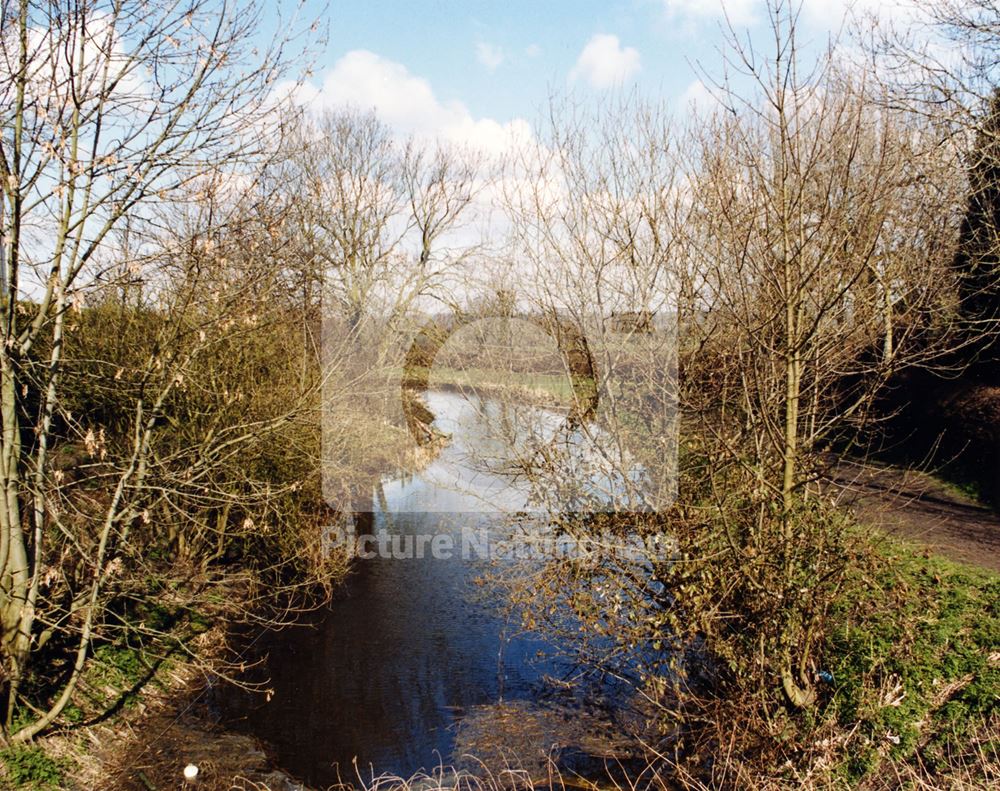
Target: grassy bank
911,686
913,659
143,714
541,389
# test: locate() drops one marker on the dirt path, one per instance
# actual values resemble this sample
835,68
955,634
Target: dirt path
915,506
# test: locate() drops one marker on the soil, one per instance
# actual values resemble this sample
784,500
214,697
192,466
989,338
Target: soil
147,746
920,508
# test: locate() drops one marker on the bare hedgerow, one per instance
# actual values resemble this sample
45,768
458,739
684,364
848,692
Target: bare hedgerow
118,119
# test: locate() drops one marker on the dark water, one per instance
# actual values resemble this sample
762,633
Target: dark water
390,668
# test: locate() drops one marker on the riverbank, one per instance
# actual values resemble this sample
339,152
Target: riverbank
911,658
145,711
543,390
913,699
915,680
168,727
150,716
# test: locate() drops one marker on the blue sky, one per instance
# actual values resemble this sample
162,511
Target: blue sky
475,66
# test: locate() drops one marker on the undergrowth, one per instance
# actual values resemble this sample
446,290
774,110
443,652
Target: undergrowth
914,657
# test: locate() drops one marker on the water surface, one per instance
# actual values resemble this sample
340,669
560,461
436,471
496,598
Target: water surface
390,668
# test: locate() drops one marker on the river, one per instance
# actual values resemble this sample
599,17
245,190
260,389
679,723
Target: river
388,670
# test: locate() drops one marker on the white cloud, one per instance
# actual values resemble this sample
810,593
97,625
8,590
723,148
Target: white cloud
824,13
51,80
604,62
739,12
533,50
489,55
831,13
697,98
406,102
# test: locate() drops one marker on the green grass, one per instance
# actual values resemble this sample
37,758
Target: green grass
910,653
558,387
961,483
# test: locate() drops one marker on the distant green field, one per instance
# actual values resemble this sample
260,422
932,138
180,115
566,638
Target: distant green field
554,387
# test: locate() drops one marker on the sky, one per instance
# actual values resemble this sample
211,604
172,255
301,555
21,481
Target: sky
472,70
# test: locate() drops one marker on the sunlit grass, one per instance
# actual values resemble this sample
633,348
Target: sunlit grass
557,389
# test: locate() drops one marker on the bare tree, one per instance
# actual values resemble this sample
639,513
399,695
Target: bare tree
823,231
594,205
806,240
109,109
944,70
376,219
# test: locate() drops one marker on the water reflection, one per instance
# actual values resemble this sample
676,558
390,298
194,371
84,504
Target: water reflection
386,674
510,457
